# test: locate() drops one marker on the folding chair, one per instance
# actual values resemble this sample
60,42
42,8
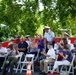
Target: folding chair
36,58
6,55
18,63
50,66
69,68
28,58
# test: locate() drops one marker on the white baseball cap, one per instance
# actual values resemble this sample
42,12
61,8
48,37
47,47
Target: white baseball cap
65,33
46,27
27,35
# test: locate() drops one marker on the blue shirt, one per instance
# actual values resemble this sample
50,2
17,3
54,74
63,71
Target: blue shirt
70,57
41,44
23,45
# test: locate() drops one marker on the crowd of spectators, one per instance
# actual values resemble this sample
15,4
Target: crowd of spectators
48,50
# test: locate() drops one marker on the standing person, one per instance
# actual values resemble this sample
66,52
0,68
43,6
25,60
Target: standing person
50,57
48,36
66,35
3,51
28,39
22,46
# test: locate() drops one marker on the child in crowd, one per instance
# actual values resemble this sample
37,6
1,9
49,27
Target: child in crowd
50,57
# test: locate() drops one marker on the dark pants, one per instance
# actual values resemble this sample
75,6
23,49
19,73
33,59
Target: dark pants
1,61
10,62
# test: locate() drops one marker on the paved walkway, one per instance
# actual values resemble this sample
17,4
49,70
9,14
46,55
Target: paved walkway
24,73
36,73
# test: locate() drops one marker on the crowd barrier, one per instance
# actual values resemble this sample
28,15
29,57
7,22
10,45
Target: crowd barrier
5,44
58,39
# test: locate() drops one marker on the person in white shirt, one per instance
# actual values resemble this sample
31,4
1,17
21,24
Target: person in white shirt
50,57
48,36
12,59
66,35
28,39
3,51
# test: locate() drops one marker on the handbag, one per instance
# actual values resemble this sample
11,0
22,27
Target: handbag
59,57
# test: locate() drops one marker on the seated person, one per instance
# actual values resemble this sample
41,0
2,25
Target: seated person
74,52
36,38
67,58
41,43
3,51
22,46
41,47
33,47
50,57
59,45
16,36
11,40
12,59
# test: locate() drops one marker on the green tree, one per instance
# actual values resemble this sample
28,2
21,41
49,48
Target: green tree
26,18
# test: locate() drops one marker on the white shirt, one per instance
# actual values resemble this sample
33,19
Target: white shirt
3,50
49,36
13,54
68,40
56,46
51,52
28,42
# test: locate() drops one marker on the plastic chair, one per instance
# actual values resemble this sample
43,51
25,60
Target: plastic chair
6,55
18,63
69,68
50,66
37,56
28,58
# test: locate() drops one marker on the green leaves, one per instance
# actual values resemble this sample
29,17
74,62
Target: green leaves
26,18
